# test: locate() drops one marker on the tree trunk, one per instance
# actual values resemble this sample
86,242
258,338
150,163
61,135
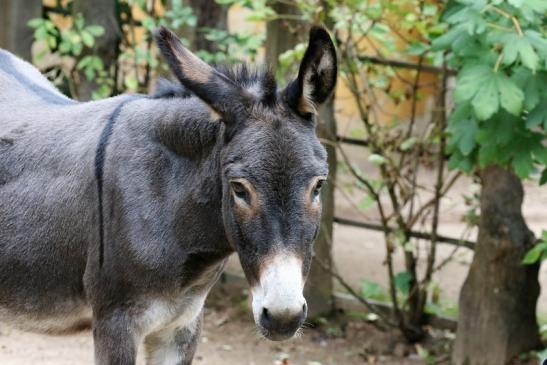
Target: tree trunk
497,318
15,34
319,287
281,34
103,13
209,15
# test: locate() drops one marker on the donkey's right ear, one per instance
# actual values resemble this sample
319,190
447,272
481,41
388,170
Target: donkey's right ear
214,88
316,76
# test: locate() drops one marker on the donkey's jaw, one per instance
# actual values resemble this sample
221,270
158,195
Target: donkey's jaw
279,307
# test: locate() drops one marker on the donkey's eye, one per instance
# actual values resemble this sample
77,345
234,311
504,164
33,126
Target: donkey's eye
240,191
317,189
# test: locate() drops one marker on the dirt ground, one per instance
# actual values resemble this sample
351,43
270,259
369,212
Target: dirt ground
229,336
232,340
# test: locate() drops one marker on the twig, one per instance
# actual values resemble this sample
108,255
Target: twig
414,234
353,141
438,185
408,65
353,293
430,202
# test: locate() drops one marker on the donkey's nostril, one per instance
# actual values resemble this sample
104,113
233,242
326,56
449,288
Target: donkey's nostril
265,313
304,308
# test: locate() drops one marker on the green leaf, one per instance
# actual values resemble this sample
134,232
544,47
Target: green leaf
454,160
535,254
402,281
372,290
87,38
487,154
131,82
77,49
79,21
90,73
467,141
408,143
504,130
486,101
532,88
516,3
523,164
446,40
377,159
64,47
84,62
527,55
36,22
416,48
469,81
95,30
539,6
40,34
511,96
510,50
461,114
537,116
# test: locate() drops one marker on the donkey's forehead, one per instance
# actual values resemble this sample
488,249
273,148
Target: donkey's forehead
276,148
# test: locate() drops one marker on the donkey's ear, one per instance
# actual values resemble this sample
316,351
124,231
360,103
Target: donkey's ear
214,88
317,74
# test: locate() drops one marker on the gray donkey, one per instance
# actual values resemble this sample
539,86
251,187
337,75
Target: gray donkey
121,213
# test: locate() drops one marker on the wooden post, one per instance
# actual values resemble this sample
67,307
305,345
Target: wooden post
103,13
15,34
209,15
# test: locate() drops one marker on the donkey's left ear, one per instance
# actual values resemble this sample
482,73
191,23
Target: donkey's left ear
211,86
316,76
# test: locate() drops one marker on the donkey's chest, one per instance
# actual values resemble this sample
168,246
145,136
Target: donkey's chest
181,309
161,313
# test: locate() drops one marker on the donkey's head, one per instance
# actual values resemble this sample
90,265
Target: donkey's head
272,169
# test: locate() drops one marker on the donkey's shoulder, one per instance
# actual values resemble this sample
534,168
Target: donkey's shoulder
20,77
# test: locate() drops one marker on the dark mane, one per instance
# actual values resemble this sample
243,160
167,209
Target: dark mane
246,75
170,89
243,75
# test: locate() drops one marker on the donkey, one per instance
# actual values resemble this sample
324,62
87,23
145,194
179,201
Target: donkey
121,213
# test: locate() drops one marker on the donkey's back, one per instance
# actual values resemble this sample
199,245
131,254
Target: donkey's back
47,198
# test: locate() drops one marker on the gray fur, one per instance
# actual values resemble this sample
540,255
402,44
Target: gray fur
167,212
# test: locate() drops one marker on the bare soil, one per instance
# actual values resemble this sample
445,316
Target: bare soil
229,337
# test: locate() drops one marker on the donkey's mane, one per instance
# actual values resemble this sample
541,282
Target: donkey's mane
170,89
259,80
248,75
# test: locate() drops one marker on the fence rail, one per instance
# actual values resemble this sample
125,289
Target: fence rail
414,234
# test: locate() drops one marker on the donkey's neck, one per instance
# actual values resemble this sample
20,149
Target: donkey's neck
186,128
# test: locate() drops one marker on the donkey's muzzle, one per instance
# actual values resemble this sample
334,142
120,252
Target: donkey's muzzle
282,325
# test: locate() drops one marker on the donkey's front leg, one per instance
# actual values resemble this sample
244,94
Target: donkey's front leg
115,340
173,345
